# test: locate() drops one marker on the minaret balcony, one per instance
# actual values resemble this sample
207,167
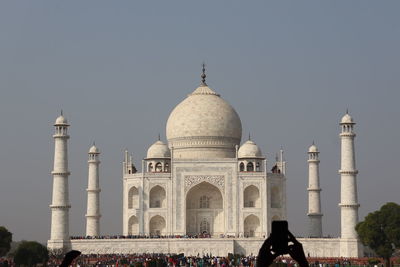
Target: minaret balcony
349,172
314,189
60,173
61,136
354,205
346,134
314,214
96,190
96,216
60,207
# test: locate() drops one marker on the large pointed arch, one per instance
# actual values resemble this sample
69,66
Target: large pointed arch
204,210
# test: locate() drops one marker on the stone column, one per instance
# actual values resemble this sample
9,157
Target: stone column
314,198
93,194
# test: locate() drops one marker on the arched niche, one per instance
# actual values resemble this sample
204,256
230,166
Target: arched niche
275,218
252,226
157,197
276,201
251,197
158,167
241,167
133,226
133,198
157,225
250,167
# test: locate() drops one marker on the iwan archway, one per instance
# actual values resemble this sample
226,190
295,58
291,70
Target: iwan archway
204,210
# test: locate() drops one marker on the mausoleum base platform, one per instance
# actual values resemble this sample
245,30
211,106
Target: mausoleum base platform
313,247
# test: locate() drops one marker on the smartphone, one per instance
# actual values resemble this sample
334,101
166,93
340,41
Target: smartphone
280,237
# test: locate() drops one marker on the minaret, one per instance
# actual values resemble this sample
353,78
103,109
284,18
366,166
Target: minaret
314,198
93,194
60,201
348,189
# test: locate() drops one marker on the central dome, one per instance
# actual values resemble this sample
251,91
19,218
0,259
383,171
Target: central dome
204,126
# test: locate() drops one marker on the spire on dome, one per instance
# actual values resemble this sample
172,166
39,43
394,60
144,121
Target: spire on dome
249,136
159,137
203,76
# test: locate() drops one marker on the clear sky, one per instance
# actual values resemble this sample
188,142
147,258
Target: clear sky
118,68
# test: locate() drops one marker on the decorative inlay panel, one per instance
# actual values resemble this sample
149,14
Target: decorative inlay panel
217,180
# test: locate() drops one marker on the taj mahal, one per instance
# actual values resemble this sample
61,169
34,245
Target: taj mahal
204,190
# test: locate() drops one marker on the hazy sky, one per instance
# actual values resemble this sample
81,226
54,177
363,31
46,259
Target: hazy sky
118,68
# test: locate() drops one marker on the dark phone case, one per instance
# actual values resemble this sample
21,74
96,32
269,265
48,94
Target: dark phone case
280,237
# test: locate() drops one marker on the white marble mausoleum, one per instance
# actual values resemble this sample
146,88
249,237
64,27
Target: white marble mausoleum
204,180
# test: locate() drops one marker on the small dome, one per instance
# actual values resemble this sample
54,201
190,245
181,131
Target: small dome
347,119
249,150
61,121
94,149
158,150
313,148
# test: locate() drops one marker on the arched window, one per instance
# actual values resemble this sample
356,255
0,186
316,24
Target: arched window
166,167
204,202
150,169
158,167
258,167
241,167
250,167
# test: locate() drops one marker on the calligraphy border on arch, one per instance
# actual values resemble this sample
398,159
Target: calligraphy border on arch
217,180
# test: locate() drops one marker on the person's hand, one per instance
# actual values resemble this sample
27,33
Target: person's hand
265,256
69,257
296,251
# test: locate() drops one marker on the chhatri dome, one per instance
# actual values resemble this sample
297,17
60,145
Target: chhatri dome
249,150
158,150
61,120
94,150
347,119
313,148
203,126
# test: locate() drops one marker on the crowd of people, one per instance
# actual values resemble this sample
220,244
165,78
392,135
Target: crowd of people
204,235
148,260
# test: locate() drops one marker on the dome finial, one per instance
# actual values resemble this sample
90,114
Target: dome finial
203,75
249,136
61,112
347,110
159,137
